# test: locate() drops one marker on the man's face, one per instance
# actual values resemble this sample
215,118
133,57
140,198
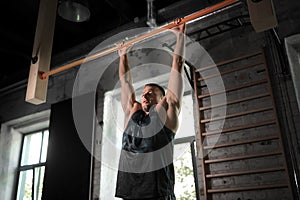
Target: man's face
151,96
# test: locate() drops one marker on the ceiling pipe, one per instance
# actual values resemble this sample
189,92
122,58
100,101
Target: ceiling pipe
151,15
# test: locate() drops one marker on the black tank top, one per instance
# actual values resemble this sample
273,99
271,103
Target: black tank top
145,167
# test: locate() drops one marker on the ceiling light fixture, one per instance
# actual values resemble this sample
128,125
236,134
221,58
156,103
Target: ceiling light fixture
74,10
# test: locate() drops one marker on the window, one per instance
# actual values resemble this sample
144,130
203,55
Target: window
32,165
184,166
184,153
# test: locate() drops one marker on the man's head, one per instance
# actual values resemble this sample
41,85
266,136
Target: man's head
152,94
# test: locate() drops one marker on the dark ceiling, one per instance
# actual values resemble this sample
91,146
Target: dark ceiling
19,22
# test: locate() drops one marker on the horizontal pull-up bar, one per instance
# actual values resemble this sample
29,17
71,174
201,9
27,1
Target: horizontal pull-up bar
44,75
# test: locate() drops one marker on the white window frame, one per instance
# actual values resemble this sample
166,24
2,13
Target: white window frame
33,167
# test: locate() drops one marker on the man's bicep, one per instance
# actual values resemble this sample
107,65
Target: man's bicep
172,121
175,88
127,96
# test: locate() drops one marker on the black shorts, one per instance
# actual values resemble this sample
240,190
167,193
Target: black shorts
170,197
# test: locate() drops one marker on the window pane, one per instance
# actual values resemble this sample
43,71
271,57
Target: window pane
25,185
184,174
45,146
38,182
31,149
186,118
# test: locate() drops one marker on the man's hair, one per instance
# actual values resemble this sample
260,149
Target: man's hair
158,86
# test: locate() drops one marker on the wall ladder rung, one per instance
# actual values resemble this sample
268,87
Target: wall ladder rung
228,61
256,187
273,169
241,142
242,157
235,101
236,114
237,128
234,88
231,70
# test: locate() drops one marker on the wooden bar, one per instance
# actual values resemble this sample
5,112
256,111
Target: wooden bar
229,144
234,88
243,157
37,88
248,126
257,171
201,129
236,114
256,187
262,21
235,101
230,71
229,61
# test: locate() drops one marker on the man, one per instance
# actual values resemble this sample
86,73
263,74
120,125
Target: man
146,170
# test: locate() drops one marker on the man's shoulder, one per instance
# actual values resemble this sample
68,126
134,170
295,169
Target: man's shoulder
136,106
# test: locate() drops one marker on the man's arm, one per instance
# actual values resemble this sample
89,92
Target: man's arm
128,98
175,86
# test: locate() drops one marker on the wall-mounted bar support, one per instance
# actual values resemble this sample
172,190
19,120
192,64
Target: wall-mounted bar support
41,54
